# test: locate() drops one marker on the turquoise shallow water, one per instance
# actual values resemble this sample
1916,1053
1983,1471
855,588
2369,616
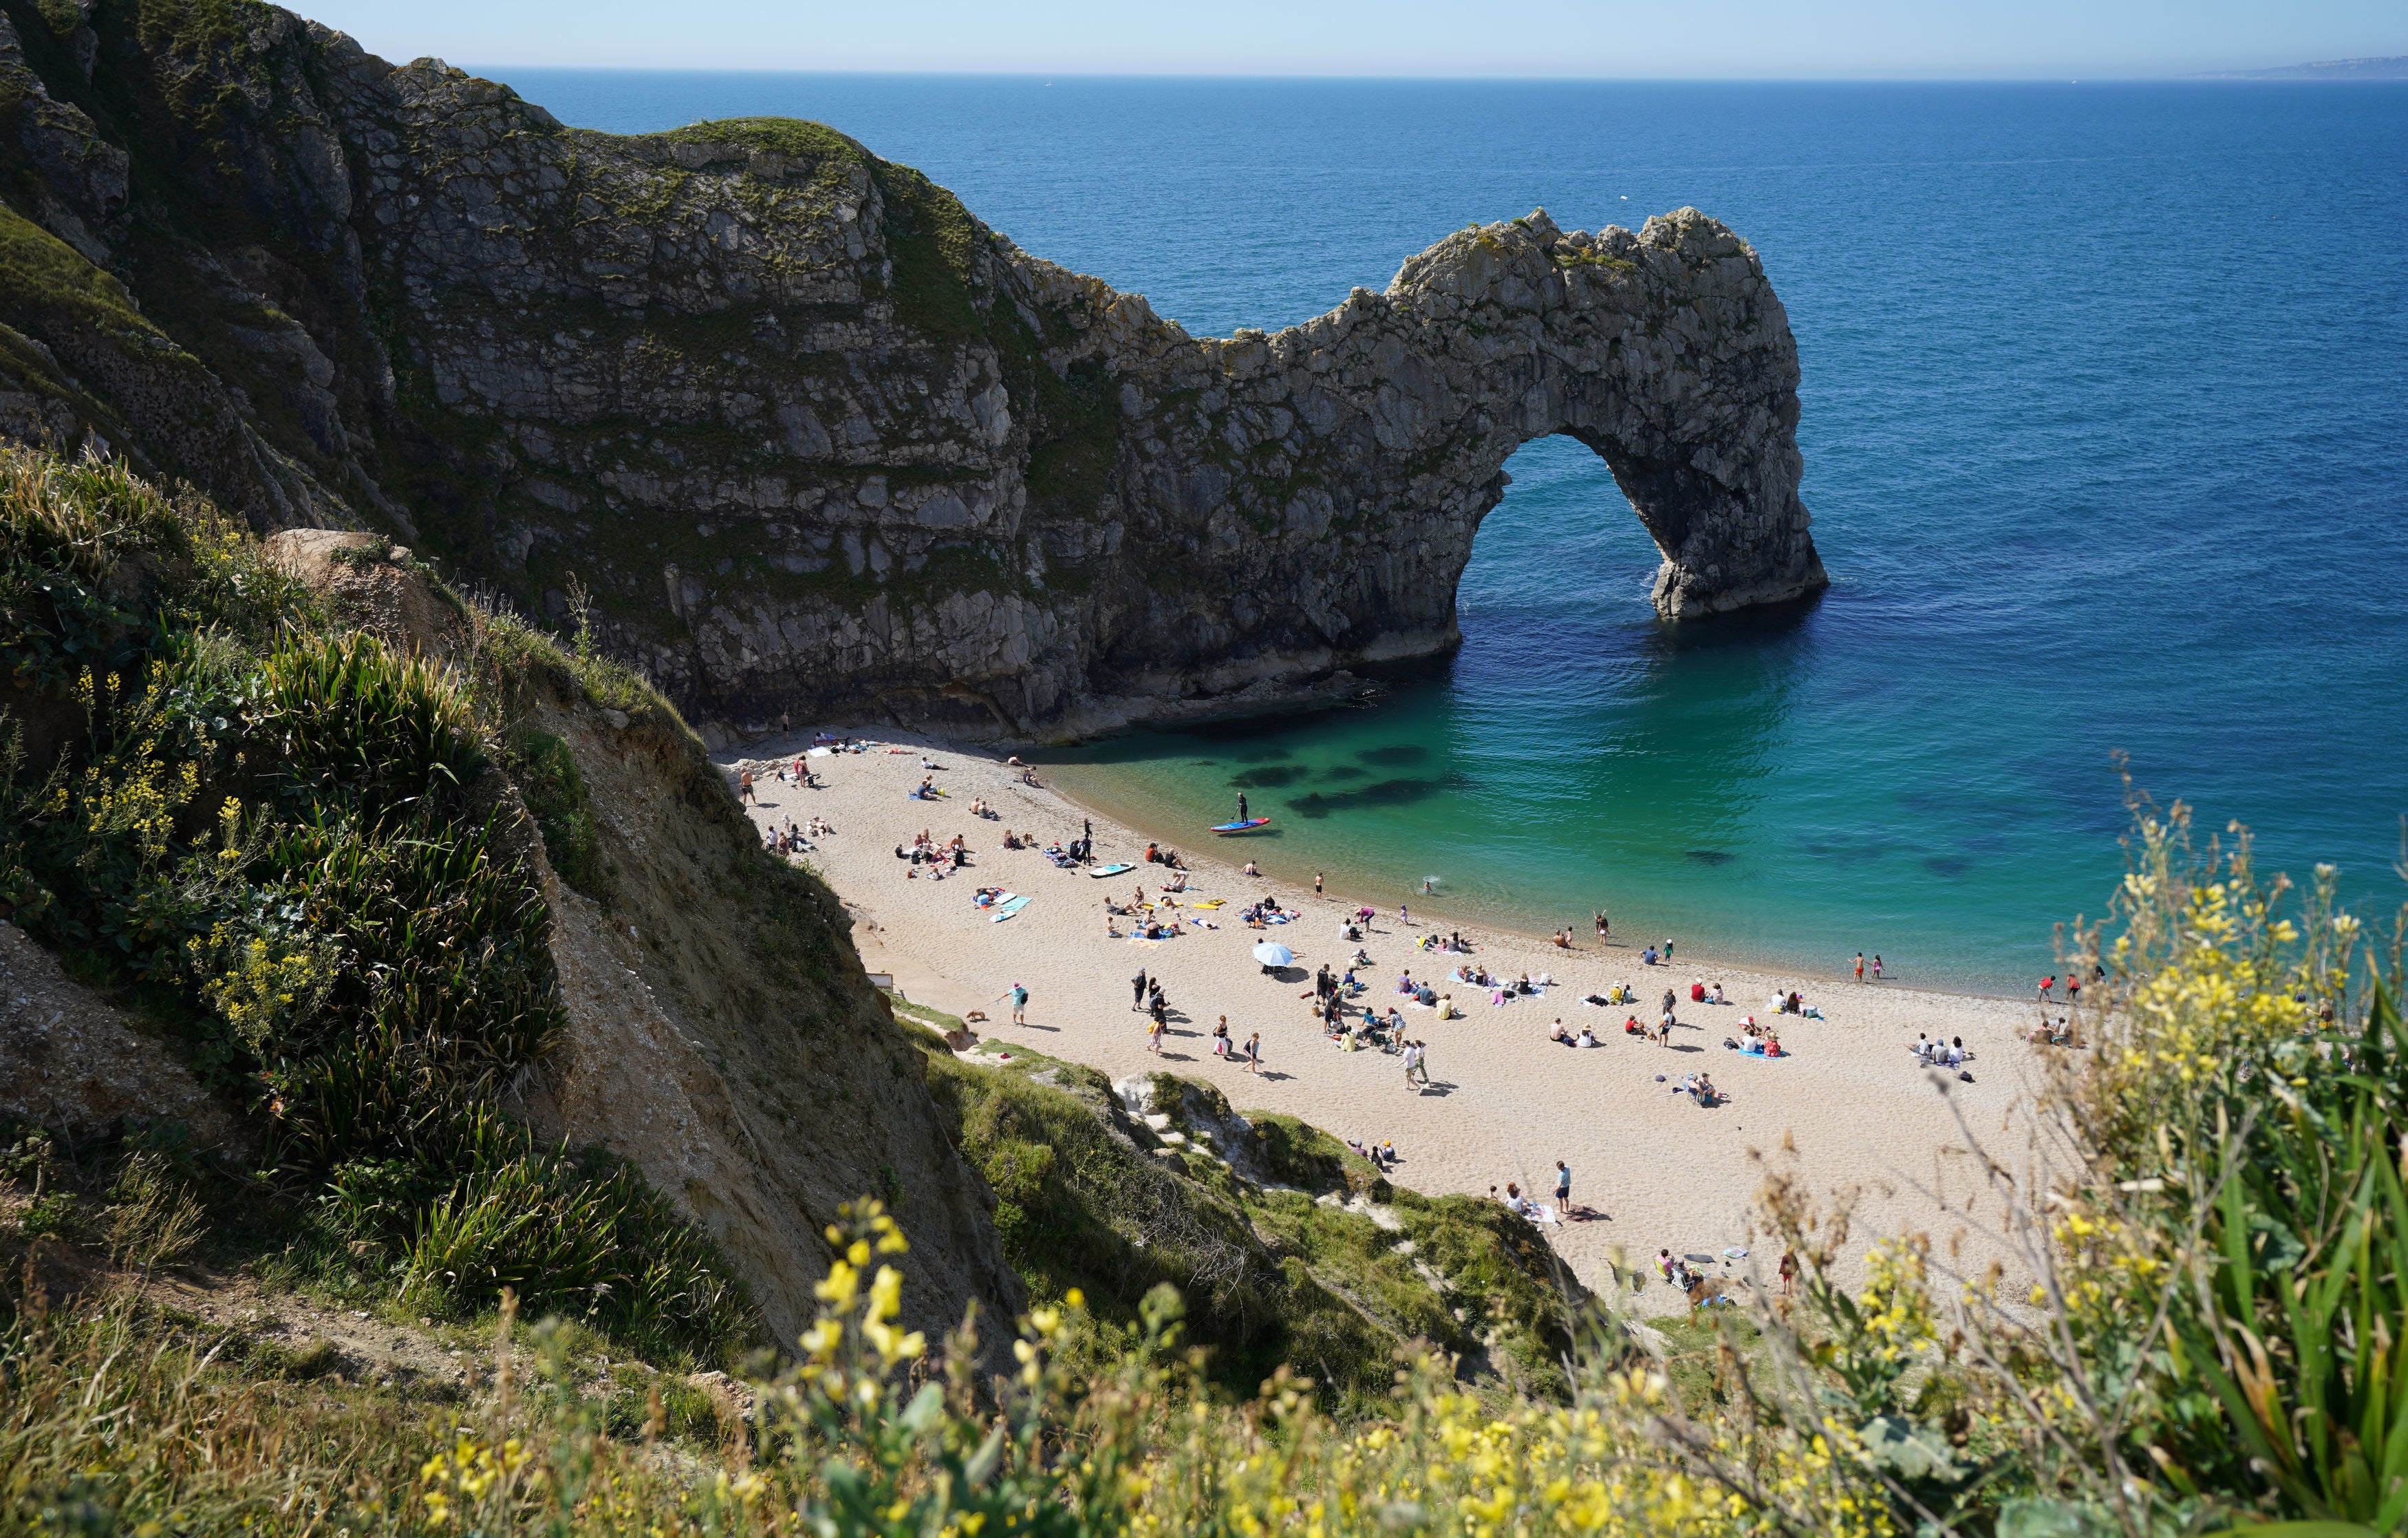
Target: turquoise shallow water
2106,430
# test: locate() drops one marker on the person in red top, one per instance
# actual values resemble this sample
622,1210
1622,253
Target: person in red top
2046,984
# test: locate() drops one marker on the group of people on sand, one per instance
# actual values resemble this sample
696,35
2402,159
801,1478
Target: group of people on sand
2059,1032
1931,1052
790,839
1382,1154
1761,1041
951,855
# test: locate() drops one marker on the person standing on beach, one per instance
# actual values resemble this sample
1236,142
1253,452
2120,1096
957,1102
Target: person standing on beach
1563,1189
1788,1272
1412,1055
1316,883
1860,966
1404,915
1876,966
744,786
1604,925
1136,990
1255,1053
1019,996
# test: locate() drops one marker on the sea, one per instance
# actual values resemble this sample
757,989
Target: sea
2106,438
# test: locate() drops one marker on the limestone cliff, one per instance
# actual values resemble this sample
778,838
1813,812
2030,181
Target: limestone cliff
812,436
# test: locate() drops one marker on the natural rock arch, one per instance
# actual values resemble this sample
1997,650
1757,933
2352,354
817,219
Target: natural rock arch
1364,446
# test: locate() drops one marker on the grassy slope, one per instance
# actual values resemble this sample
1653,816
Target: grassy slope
1089,1198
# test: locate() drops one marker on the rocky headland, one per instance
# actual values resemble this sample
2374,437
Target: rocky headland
789,426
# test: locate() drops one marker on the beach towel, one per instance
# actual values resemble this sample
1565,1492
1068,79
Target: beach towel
1008,907
1214,903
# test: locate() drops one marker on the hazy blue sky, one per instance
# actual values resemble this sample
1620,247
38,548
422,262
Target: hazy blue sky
1736,39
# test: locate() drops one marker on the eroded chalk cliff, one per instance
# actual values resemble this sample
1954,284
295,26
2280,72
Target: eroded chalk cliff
809,436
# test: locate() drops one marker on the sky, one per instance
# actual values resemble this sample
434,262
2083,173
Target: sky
1735,39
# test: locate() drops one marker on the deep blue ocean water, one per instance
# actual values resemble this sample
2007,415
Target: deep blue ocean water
2106,435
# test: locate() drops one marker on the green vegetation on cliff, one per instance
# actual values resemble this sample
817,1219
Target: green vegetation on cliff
290,845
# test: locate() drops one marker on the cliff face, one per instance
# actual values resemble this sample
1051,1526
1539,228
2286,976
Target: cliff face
810,436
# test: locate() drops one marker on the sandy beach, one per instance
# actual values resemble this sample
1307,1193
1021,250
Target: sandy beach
1650,1170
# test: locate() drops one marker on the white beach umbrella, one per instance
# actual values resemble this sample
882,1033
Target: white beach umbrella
1270,953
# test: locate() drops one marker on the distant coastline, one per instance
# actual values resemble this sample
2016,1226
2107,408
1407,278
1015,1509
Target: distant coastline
2392,68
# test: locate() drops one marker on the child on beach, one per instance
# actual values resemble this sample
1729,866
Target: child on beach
1255,1053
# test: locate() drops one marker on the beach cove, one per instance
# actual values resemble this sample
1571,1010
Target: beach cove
1654,1170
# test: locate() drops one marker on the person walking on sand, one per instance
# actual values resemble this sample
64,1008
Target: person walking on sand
1788,1272
1860,966
1154,1035
1412,1055
1255,1053
744,786
1018,994
1404,915
1420,1070
1136,990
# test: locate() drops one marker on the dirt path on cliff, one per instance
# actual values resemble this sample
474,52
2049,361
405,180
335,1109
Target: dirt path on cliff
1654,1170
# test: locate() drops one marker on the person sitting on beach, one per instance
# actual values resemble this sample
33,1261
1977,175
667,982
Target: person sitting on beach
1446,1010
1251,871
1697,990
1772,1045
1631,1026
1647,957
1587,1037
1955,1054
1563,940
1559,1033
1177,885
1522,985
1718,994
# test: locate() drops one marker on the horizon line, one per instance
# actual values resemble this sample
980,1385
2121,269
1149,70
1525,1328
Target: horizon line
2229,76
